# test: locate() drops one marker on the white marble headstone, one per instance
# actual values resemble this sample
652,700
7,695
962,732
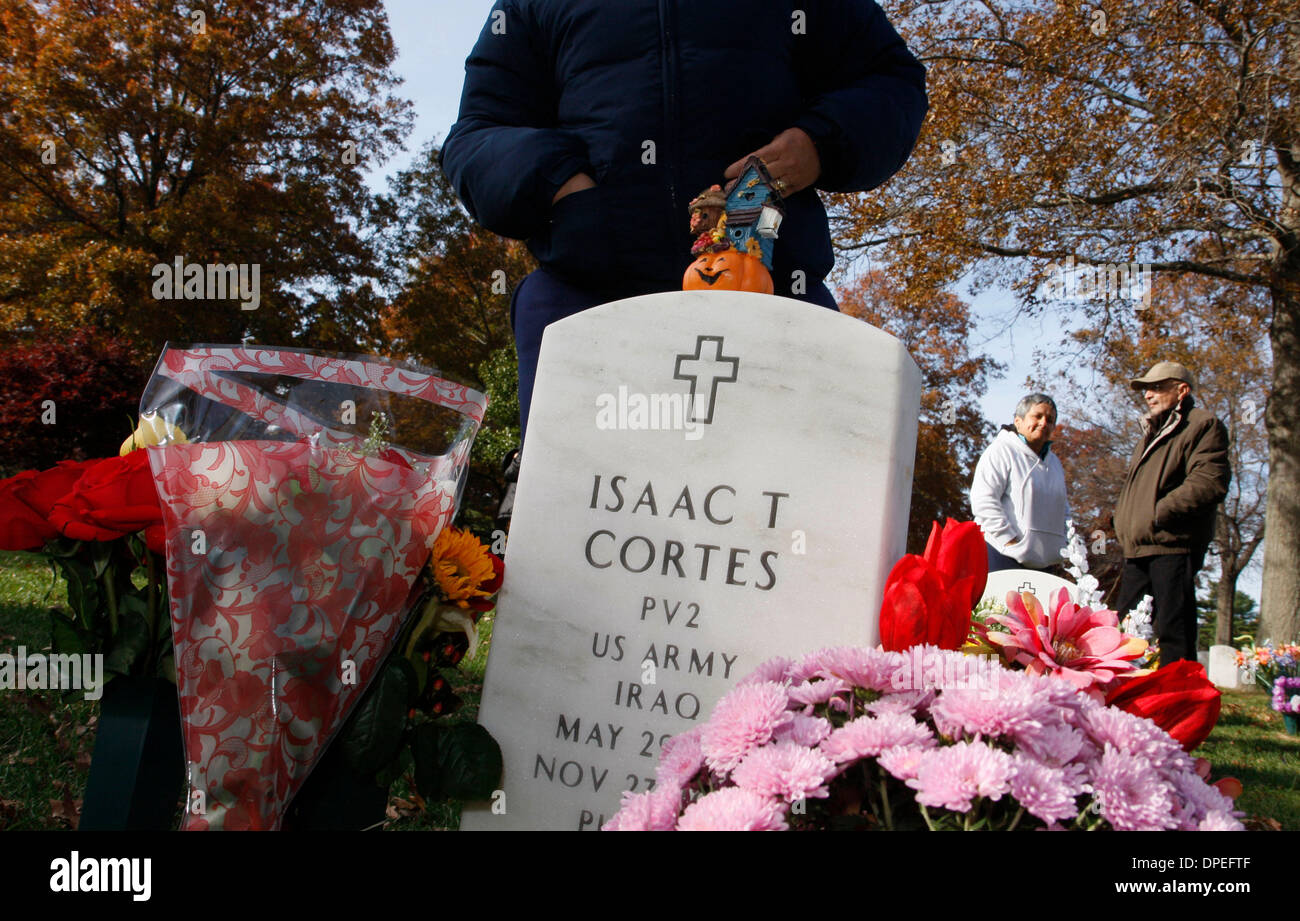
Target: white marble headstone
656,555
1041,585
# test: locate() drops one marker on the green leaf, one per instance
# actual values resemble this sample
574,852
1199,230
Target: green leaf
461,761
84,595
131,642
373,735
424,746
67,636
63,548
134,604
388,775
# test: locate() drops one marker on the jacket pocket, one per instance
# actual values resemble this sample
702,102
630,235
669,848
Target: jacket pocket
572,245
1144,530
1037,548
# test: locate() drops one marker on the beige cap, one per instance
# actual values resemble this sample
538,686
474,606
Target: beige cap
1164,371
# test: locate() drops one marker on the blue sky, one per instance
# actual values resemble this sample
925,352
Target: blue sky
433,39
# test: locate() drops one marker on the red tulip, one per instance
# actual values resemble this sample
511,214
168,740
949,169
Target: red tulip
26,500
929,599
919,610
1178,698
958,553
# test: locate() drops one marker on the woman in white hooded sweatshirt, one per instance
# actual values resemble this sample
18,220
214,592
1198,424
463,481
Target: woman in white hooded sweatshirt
1018,496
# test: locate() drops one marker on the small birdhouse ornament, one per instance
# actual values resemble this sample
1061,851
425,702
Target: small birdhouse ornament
735,232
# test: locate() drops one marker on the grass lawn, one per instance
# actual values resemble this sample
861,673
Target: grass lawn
1249,744
46,742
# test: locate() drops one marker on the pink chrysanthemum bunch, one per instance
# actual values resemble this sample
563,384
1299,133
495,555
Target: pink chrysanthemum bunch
863,738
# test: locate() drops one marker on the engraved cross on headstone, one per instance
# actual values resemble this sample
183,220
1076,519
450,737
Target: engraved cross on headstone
709,374
1027,587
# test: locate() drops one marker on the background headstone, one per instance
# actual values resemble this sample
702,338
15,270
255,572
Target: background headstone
1042,585
662,547
1223,668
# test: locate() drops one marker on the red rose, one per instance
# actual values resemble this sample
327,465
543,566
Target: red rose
114,497
1178,698
26,500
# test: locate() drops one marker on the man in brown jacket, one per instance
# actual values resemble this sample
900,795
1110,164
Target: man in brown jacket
1164,519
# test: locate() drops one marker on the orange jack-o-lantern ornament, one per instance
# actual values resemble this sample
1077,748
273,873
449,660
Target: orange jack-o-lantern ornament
728,270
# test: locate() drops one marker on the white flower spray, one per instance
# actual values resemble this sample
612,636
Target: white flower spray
1076,551
1138,621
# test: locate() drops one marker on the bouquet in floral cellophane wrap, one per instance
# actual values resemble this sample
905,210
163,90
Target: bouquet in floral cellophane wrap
296,528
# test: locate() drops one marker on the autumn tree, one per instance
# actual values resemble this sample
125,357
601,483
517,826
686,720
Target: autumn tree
1142,132
84,408
135,133
935,329
450,279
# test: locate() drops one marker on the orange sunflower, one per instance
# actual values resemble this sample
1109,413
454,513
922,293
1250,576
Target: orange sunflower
461,565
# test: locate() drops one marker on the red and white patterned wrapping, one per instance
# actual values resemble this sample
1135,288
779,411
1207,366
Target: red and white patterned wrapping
290,566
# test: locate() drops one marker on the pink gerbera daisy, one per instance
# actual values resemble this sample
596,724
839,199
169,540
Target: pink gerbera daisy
1081,645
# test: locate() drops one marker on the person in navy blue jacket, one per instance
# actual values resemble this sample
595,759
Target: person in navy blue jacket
587,126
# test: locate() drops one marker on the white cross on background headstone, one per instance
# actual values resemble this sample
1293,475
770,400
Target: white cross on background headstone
1042,585
708,372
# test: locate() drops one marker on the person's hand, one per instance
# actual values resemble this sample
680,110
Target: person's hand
791,159
576,183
